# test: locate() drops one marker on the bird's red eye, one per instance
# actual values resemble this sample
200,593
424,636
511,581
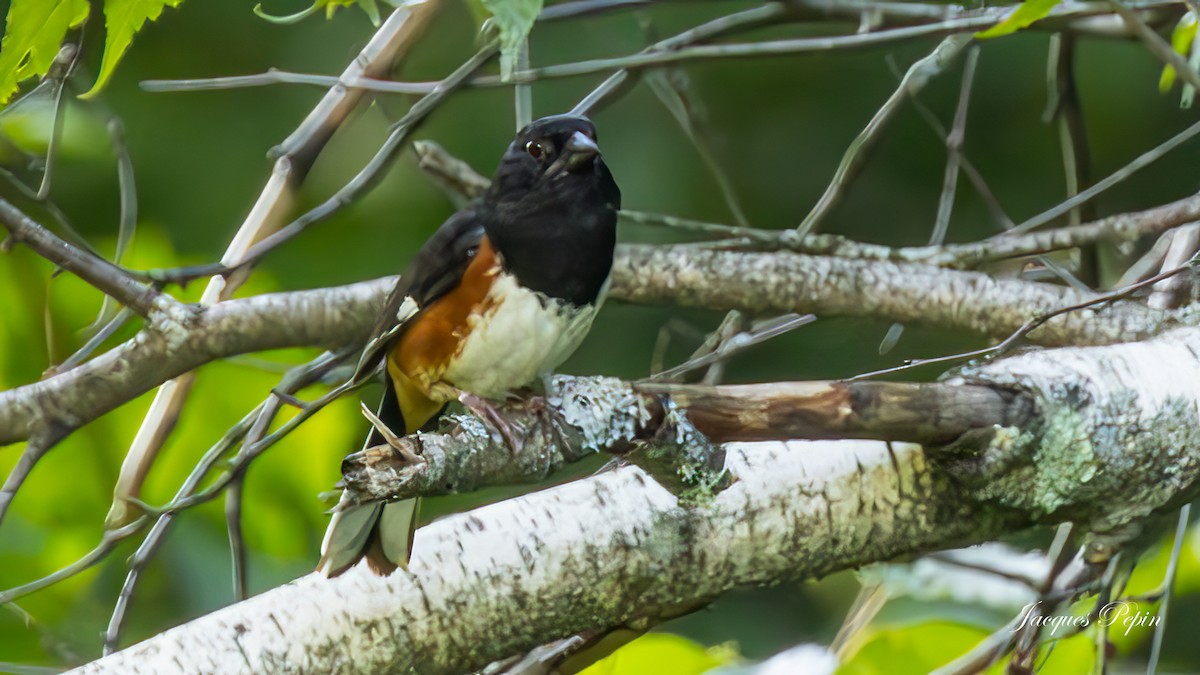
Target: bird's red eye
535,149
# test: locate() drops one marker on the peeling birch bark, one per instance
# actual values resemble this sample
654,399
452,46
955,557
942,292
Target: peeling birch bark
1111,442
613,549
1117,436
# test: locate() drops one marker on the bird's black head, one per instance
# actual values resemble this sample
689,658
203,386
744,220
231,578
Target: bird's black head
554,158
551,211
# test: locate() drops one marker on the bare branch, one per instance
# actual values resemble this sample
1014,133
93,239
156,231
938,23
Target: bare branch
605,414
918,75
327,317
105,276
1116,228
370,174
773,283
761,283
250,432
899,22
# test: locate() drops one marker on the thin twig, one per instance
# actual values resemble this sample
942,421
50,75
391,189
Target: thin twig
673,90
35,449
1185,241
954,142
127,189
963,24
999,217
1160,628
1121,174
60,71
1065,109
249,431
150,544
726,24
1031,325
1120,227
103,275
370,174
656,57
251,451
721,26
237,541
716,371
986,569
523,91
918,75
730,324
275,76
983,655
108,541
736,344
122,317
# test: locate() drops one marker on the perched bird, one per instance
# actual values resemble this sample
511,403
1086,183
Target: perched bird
498,297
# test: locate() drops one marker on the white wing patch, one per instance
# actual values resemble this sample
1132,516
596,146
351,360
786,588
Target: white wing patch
406,310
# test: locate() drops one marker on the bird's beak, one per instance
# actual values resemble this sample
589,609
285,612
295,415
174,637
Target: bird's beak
578,152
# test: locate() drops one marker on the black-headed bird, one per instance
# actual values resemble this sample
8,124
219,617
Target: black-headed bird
498,297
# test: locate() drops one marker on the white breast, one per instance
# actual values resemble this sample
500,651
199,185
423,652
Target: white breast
521,336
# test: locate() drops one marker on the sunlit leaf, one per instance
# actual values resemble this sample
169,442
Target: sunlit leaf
34,30
513,19
920,648
913,649
1181,41
1021,17
371,9
123,18
661,653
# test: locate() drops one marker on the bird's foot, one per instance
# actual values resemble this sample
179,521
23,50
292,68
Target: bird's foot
491,416
544,410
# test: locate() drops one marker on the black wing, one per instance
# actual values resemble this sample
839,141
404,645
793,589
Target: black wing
436,270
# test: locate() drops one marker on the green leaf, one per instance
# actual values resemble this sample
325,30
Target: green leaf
123,18
661,653
370,7
921,648
33,33
514,19
912,650
1181,41
1021,17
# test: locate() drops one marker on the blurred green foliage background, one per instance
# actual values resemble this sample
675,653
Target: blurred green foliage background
778,127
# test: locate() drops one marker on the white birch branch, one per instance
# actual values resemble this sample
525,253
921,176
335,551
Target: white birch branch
610,550
327,317
679,275
1113,438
